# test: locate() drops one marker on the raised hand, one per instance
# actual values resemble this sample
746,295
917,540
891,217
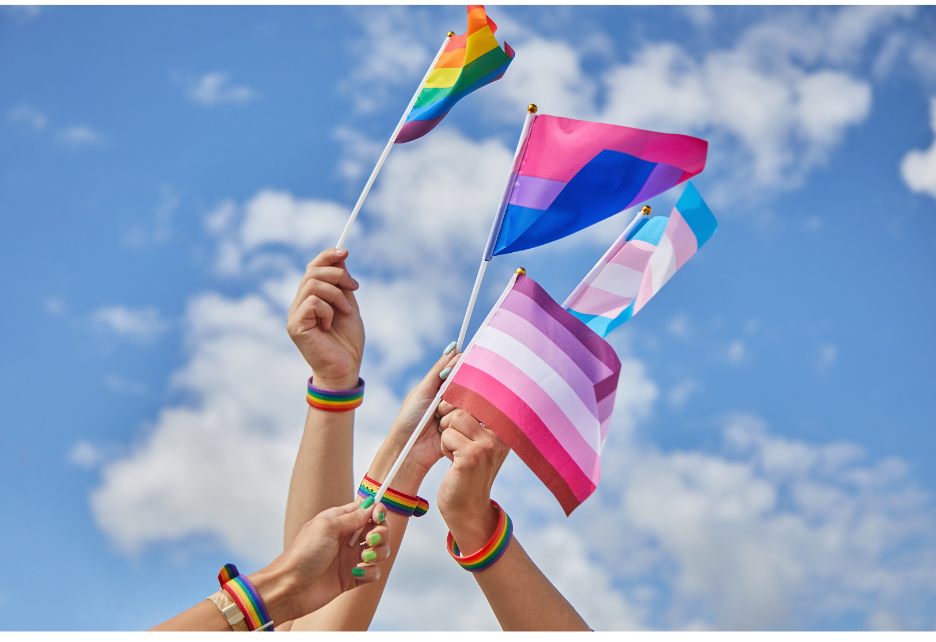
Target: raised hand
325,322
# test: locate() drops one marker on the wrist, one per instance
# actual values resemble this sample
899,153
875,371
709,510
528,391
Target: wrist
336,382
276,589
472,526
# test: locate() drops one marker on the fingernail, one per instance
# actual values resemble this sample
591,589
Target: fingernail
373,539
380,517
367,503
437,416
450,347
445,373
357,572
369,556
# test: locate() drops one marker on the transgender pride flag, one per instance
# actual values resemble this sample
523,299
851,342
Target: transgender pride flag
570,174
545,383
640,262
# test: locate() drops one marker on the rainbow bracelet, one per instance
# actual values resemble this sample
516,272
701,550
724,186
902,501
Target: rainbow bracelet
246,597
490,552
394,500
335,401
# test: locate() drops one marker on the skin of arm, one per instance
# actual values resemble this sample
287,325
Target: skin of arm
325,323
315,569
355,612
519,594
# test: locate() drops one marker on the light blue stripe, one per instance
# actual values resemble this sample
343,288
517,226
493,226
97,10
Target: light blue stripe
697,214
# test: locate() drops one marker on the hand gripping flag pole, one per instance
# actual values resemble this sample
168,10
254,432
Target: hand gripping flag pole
498,220
390,143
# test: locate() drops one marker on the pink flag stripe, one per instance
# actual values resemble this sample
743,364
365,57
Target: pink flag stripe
568,145
618,279
543,348
635,255
592,300
537,400
605,407
537,447
682,237
600,348
524,306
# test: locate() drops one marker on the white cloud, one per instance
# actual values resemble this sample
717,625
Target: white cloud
160,230
828,354
216,88
79,136
918,168
55,306
124,386
737,352
30,116
679,326
24,13
144,324
680,393
84,455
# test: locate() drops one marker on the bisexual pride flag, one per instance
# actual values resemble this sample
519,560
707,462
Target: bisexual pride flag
575,173
636,267
545,384
469,61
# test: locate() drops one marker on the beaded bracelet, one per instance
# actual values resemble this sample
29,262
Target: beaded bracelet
246,597
394,500
335,401
490,552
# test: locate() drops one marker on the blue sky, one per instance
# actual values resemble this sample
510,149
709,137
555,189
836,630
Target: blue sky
167,171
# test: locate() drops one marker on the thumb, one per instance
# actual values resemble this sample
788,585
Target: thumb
347,519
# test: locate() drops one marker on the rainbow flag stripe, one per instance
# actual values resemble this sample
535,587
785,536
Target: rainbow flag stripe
246,597
492,551
468,62
335,401
395,501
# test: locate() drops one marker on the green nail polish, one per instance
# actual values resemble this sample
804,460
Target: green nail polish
357,572
373,539
367,503
369,556
445,373
449,348
380,517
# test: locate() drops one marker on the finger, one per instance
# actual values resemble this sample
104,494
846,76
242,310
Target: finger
365,573
376,554
464,423
349,520
336,276
445,408
316,312
376,536
327,292
328,257
453,441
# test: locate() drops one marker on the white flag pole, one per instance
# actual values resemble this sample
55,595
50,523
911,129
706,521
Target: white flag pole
432,407
498,220
390,143
614,249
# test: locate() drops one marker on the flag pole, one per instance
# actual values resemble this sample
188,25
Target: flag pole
433,406
614,249
498,220
390,143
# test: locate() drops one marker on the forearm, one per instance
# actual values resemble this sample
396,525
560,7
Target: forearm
322,476
355,611
204,616
522,598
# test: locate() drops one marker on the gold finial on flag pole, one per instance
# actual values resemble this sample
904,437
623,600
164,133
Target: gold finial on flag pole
521,271
645,210
531,109
450,34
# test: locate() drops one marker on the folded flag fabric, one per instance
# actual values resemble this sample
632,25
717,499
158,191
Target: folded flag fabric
574,173
470,61
545,383
636,267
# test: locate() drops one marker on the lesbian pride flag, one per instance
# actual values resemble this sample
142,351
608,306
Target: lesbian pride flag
469,62
636,267
574,173
545,383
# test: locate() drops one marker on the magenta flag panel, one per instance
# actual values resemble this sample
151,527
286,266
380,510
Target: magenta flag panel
545,383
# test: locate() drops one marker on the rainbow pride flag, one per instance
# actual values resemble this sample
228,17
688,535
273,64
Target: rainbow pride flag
574,173
544,383
470,61
640,262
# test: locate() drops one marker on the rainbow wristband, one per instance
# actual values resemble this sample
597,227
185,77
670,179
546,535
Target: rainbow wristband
394,500
246,597
335,401
490,552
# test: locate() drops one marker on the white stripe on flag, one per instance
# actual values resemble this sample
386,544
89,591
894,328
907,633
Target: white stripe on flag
618,279
662,263
548,379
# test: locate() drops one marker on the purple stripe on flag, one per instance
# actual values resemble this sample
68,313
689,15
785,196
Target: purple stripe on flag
538,401
416,128
588,338
533,428
661,179
605,388
552,355
524,306
535,193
